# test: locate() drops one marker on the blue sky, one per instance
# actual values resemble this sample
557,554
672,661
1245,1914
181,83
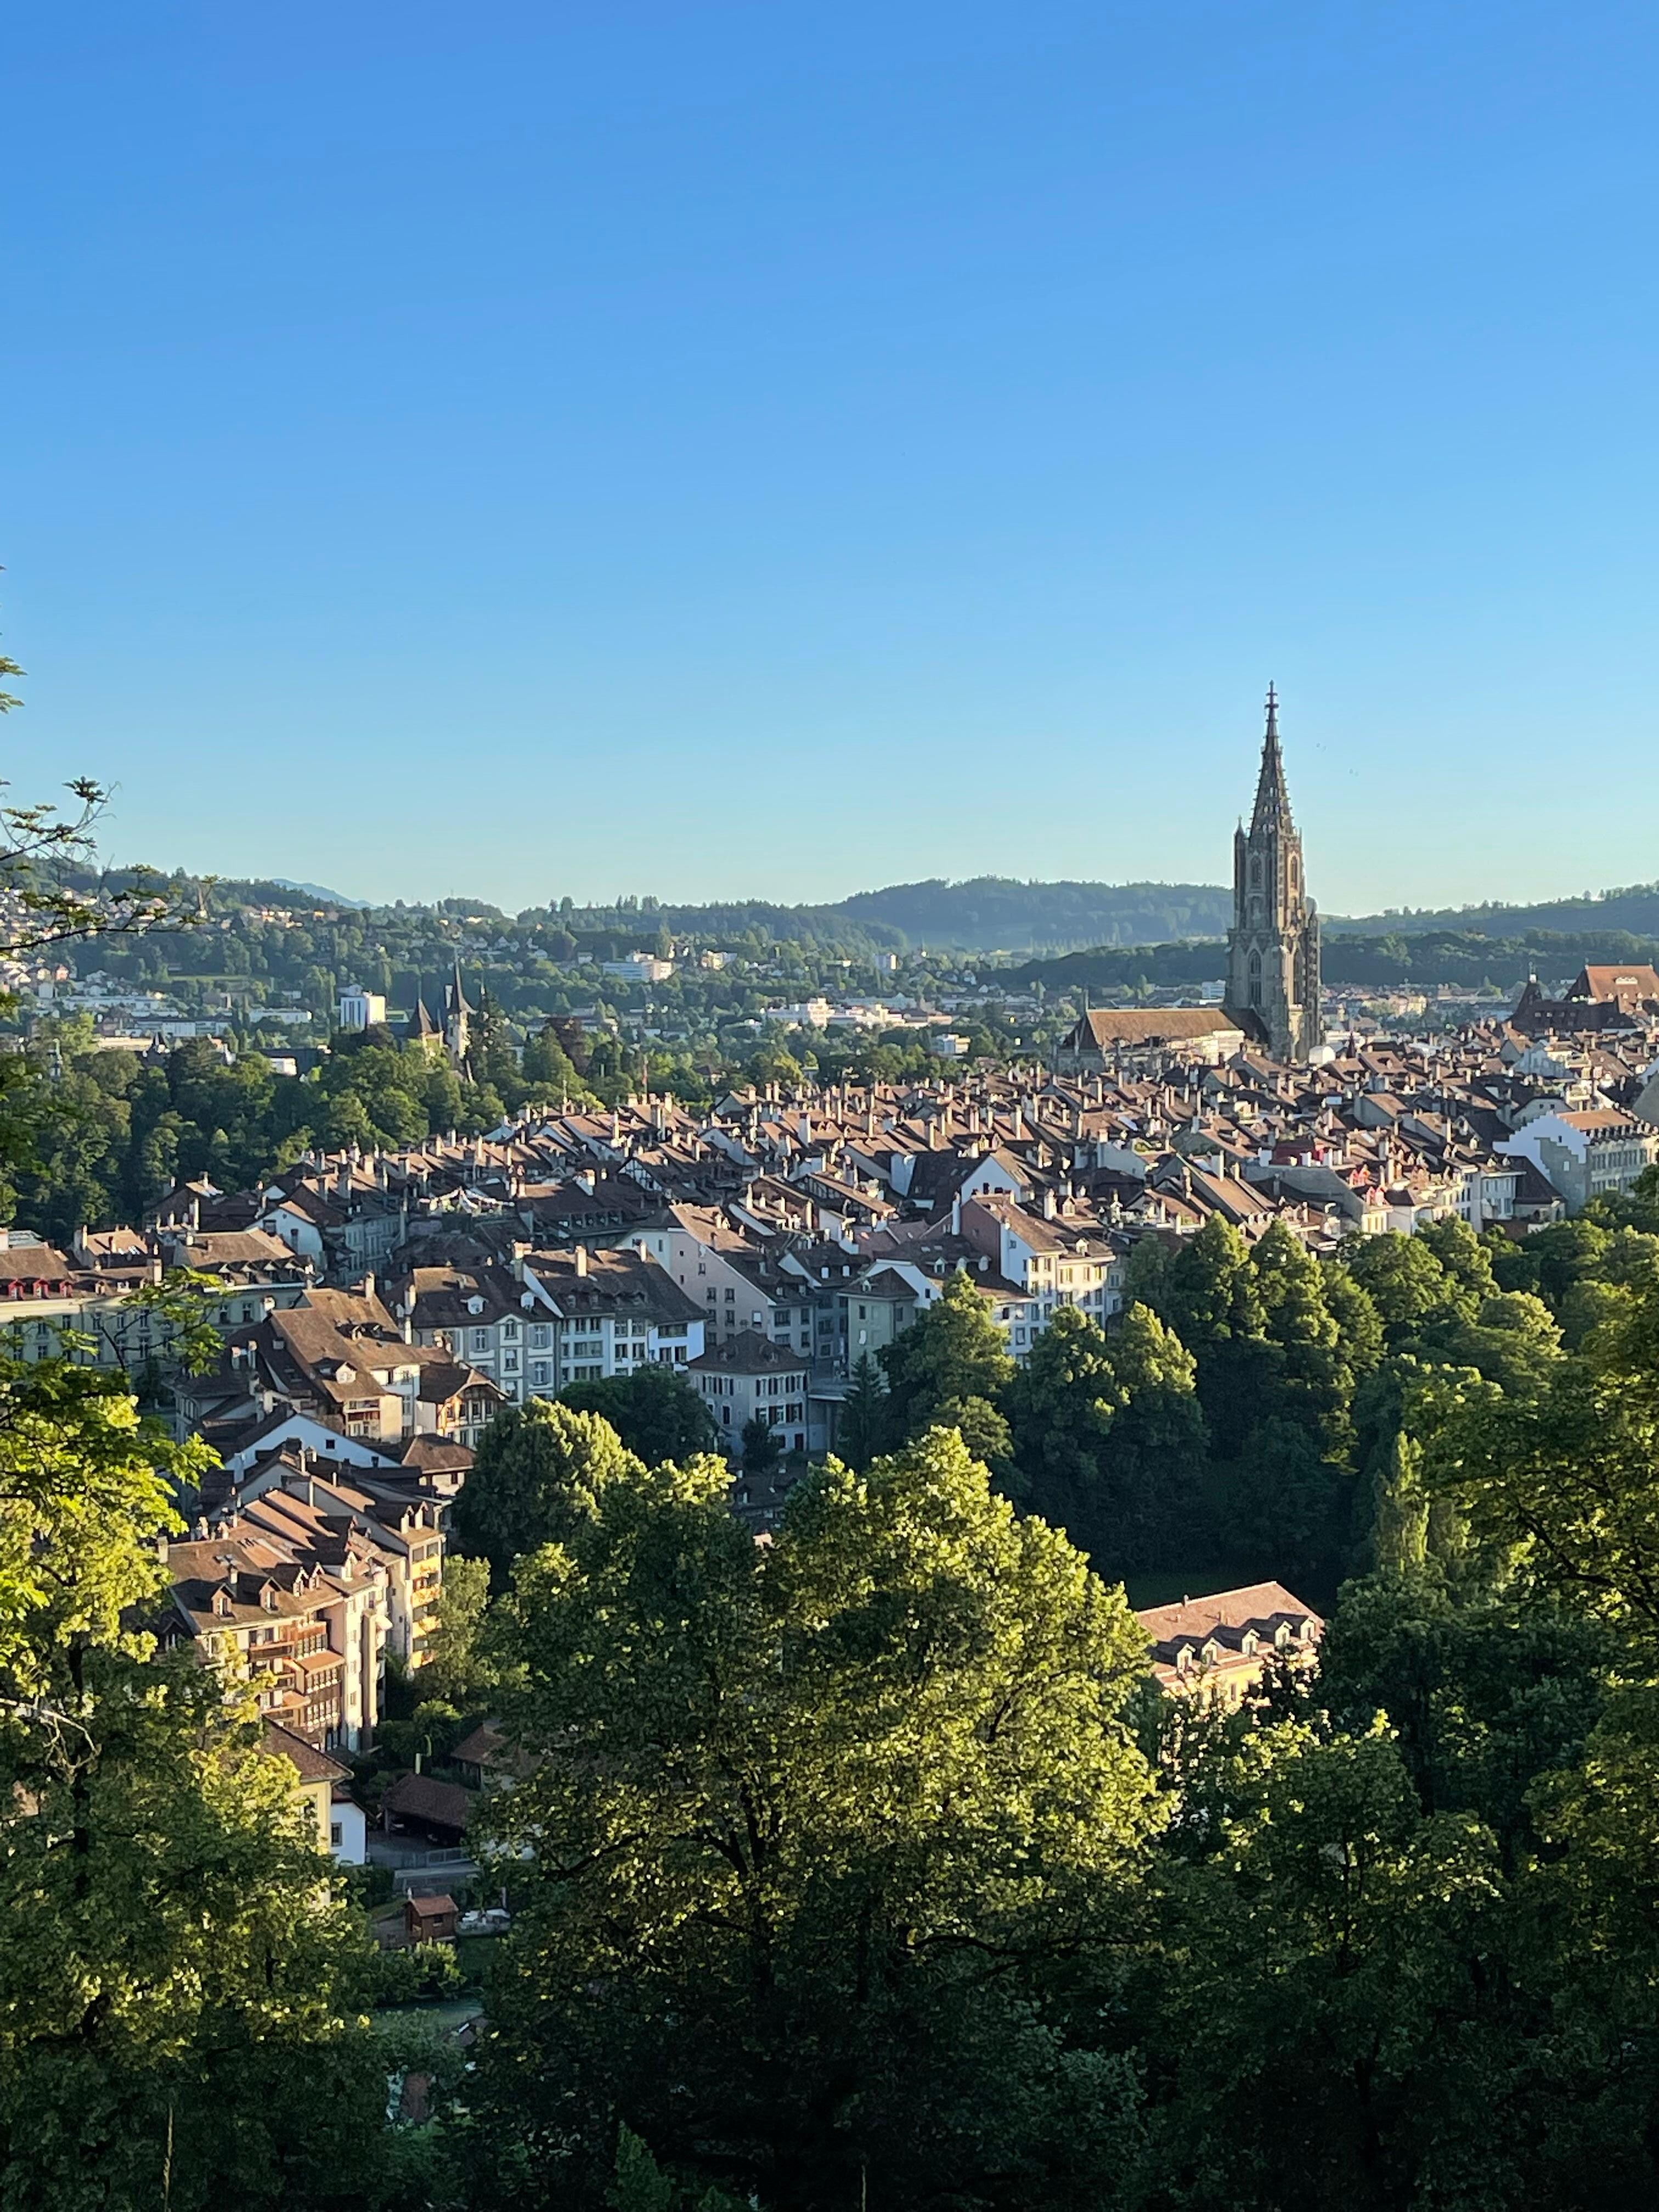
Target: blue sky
726,448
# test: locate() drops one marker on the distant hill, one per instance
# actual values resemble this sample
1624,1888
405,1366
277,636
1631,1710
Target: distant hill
1001,913
1463,958
318,891
998,913
1634,909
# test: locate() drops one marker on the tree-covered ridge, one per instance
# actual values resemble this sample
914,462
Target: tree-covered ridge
1632,910
254,953
1463,958
987,914
980,913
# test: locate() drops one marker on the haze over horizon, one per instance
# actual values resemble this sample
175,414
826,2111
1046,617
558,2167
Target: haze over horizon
749,453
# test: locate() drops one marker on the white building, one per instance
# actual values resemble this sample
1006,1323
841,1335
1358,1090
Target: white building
639,968
359,1009
1049,1259
589,1315
1586,1153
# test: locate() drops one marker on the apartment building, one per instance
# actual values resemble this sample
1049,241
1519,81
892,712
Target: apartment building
300,1612
1587,1153
403,1527
1056,1256
739,1282
746,1378
342,1357
602,1314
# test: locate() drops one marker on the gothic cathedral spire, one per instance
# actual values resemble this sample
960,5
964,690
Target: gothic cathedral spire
1272,947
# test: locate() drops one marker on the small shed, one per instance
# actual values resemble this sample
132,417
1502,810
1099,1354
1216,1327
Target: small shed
430,1919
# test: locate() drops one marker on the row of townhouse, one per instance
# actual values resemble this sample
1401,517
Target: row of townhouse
94,1303
300,1582
547,1319
342,1357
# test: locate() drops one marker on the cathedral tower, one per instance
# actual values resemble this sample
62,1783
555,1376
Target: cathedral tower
1272,947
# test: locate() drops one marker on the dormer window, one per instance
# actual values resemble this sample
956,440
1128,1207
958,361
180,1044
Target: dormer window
222,1603
474,1305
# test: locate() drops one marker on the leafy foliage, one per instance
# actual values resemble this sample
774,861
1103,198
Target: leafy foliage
850,1805
539,1471
176,1959
654,1411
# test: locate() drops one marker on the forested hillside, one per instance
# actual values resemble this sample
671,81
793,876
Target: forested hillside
1459,958
982,914
992,914
1634,909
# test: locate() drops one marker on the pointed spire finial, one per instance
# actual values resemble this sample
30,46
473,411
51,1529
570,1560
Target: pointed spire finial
1272,801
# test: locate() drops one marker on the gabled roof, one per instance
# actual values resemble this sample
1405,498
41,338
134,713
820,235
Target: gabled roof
1256,1605
311,1763
1138,1025
1603,982
749,1353
423,1797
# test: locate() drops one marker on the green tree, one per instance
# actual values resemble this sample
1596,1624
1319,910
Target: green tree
863,1416
954,1351
821,1831
761,1447
1062,1404
1212,1295
1285,1508
1213,1303
1151,1505
1329,2030
1485,1692
459,1666
540,1468
548,1068
655,1411
180,1987
1407,1285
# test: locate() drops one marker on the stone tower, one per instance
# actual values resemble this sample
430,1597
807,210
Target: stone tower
458,1020
1272,947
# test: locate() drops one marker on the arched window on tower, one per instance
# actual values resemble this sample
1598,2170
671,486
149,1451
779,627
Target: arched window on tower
1255,979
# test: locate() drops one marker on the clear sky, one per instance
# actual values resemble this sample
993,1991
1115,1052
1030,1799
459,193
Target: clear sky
721,448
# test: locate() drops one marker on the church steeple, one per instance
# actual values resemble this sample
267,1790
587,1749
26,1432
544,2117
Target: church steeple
1272,947
458,1018
1272,799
